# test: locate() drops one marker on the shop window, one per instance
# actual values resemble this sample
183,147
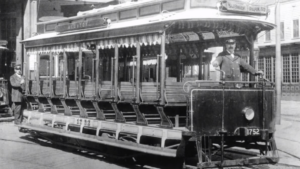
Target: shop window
296,28
286,68
295,68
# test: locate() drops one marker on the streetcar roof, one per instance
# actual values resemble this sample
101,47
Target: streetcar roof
154,24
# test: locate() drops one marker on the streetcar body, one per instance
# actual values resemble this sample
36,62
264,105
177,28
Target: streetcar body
112,79
5,110
210,104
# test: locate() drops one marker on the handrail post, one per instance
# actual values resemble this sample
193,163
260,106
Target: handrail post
97,72
138,70
38,73
79,73
162,67
64,74
50,73
116,72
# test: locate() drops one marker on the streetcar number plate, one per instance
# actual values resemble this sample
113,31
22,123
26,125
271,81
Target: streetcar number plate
253,131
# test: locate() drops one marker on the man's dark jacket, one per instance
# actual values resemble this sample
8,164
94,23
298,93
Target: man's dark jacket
17,87
232,66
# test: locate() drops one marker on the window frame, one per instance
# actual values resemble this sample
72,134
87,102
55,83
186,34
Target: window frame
298,30
268,36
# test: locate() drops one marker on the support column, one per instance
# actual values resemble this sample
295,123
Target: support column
116,75
97,73
51,74
64,74
201,53
178,64
79,74
162,67
138,70
251,55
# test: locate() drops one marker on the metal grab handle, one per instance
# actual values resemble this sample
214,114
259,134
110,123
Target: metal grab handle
223,73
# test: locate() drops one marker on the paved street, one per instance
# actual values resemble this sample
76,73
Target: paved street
19,151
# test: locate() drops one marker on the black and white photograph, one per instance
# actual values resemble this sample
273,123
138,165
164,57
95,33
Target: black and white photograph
149,84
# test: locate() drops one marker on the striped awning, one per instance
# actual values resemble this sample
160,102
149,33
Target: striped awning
149,39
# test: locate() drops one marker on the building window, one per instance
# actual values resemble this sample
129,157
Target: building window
245,76
261,64
295,68
268,36
274,67
268,73
282,30
286,68
295,28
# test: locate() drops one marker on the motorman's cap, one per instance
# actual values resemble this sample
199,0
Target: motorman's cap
17,66
230,41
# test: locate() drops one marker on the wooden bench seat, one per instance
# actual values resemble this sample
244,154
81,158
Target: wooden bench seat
72,90
88,89
106,91
58,88
33,88
149,93
45,88
126,92
175,95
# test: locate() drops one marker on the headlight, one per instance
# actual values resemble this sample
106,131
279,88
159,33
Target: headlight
249,113
1,94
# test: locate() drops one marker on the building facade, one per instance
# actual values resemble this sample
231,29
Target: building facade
290,48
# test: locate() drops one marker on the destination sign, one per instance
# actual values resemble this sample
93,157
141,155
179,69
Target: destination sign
233,6
183,37
100,23
225,34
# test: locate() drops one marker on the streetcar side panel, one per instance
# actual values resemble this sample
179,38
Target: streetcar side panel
214,112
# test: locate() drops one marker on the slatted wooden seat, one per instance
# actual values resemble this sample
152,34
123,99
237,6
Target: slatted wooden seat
58,88
106,91
72,90
88,89
57,106
175,95
45,86
33,87
33,91
149,93
126,92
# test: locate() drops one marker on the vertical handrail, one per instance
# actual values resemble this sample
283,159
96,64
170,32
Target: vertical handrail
50,74
64,73
38,74
138,70
157,74
79,91
97,72
112,76
27,74
116,56
163,67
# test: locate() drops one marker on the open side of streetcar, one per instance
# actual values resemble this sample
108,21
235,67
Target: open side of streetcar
6,113
100,84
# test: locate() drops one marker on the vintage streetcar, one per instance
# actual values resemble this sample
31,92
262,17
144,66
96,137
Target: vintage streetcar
136,77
